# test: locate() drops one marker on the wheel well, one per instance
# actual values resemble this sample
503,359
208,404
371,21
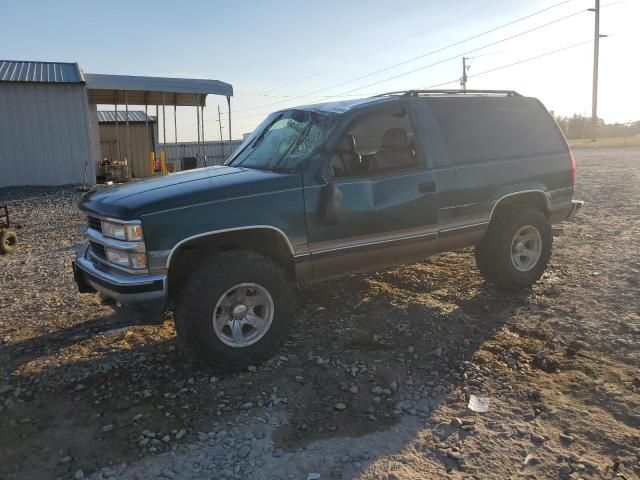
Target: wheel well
264,241
537,199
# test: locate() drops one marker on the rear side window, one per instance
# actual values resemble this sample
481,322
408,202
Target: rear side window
487,128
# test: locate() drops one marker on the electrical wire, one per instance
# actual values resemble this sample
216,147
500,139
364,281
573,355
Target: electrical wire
500,67
530,59
347,94
385,47
473,37
551,52
448,59
456,57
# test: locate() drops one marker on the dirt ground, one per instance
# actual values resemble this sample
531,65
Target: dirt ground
373,382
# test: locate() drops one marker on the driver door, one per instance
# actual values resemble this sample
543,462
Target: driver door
379,207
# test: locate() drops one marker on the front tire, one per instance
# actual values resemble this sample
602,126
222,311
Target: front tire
516,249
235,310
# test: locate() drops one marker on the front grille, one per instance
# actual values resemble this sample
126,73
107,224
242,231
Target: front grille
95,223
98,250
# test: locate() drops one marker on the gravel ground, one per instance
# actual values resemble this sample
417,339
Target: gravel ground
372,383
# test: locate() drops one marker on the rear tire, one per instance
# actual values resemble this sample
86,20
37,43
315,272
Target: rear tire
516,249
8,241
235,310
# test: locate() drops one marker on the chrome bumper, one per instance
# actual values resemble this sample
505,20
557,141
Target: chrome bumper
576,205
124,288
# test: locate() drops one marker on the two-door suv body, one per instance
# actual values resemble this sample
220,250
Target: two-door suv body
322,191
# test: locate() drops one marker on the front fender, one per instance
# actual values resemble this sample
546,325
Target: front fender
282,211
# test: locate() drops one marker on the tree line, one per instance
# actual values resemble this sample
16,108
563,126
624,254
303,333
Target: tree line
579,126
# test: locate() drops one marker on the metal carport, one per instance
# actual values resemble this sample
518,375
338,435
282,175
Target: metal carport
125,90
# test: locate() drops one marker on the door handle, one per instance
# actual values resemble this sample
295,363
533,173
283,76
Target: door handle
427,187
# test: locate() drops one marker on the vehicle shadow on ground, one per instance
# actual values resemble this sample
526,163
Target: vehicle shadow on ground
407,341
362,331
25,351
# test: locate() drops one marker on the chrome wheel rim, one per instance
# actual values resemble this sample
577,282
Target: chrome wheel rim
243,314
526,248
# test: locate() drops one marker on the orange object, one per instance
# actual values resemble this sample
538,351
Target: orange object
152,162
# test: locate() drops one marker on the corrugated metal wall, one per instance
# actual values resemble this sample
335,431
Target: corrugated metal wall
138,161
216,152
44,135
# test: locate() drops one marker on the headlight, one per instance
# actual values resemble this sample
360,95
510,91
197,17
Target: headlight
131,232
135,260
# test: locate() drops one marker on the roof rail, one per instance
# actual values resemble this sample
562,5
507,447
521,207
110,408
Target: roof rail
417,93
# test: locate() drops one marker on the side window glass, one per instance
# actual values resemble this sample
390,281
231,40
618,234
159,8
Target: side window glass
377,143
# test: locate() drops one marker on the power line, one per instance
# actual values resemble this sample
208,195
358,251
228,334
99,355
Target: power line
423,32
557,50
385,47
394,44
261,95
456,80
412,71
473,37
500,67
455,57
596,54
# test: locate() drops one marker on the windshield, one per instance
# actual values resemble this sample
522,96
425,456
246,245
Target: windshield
284,140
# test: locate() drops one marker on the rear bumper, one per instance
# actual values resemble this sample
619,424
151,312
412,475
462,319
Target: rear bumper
576,205
566,212
150,289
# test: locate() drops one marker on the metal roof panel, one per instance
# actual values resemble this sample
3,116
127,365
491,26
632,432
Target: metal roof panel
177,91
39,72
135,116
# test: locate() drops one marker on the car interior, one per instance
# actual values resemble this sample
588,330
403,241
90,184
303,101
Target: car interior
378,143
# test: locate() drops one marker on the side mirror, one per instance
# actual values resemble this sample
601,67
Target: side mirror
329,204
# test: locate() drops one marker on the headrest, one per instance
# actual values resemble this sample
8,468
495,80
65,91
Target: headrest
395,139
347,144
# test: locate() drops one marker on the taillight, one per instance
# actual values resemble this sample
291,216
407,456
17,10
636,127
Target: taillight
573,168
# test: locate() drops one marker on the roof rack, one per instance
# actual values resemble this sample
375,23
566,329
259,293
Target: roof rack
417,93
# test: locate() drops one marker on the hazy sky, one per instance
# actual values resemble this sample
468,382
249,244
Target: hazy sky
299,52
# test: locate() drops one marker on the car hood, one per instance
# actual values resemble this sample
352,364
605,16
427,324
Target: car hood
135,199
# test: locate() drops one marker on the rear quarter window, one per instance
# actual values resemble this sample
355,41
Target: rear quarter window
483,129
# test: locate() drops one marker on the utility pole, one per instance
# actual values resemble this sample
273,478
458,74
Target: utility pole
220,123
463,80
596,52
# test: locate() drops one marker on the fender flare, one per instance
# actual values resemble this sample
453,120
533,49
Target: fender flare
227,230
520,192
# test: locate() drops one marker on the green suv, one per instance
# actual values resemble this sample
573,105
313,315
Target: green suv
328,190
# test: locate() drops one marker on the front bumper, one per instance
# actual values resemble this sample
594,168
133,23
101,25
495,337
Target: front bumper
126,289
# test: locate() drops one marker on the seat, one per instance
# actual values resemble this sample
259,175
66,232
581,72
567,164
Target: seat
395,151
348,159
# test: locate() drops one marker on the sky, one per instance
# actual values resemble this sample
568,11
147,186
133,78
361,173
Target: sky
285,53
